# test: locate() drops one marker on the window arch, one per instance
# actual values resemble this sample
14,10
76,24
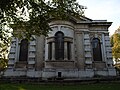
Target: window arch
96,47
23,55
59,45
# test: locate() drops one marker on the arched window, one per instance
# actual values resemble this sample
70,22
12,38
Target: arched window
59,46
23,50
96,46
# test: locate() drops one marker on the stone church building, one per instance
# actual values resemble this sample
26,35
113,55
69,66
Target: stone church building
77,48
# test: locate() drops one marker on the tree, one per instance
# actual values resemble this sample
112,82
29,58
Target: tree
115,42
4,44
32,17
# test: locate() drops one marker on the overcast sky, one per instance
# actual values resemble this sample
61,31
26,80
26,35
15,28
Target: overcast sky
103,9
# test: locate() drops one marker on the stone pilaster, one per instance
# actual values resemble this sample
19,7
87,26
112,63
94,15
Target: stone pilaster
108,49
32,54
65,51
40,46
87,50
13,53
12,58
53,50
104,48
79,50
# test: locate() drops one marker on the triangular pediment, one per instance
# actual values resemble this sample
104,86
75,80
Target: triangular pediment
83,18
80,19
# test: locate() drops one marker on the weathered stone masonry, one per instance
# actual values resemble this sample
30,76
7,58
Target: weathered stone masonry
75,41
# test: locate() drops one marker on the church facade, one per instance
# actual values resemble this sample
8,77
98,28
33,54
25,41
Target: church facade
77,48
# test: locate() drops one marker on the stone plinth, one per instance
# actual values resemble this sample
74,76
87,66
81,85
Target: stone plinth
60,64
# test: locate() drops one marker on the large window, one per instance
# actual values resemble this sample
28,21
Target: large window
23,50
59,46
96,46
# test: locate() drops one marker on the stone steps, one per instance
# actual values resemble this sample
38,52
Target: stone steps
58,81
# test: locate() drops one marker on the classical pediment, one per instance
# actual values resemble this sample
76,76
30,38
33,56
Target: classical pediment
81,19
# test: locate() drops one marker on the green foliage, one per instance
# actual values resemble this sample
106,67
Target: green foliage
3,53
115,41
32,17
4,44
3,64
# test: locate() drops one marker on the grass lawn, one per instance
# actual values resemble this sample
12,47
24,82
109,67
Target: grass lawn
7,86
